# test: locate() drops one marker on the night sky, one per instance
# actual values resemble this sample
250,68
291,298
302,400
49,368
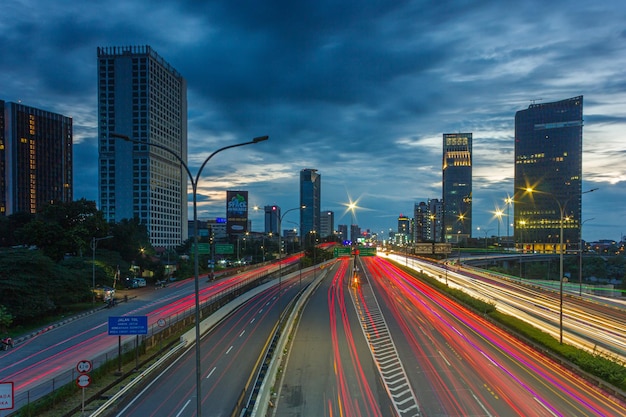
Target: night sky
360,90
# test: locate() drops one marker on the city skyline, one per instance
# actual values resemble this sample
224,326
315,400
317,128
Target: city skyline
362,93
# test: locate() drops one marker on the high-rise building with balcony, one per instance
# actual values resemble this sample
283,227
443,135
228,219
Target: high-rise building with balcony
35,158
143,97
548,174
310,196
457,186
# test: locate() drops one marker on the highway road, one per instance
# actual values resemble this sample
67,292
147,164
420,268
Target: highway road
456,362
330,371
230,354
588,322
48,360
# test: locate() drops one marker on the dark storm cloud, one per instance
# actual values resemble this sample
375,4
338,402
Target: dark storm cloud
362,91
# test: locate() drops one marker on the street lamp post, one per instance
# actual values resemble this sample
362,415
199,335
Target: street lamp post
562,214
485,231
280,246
499,214
194,187
580,258
94,244
508,201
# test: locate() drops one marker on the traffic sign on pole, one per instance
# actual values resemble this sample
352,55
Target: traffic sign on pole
84,366
6,395
127,325
83,380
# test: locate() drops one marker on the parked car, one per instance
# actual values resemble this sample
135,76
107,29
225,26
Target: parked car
141,282
104,293
160,283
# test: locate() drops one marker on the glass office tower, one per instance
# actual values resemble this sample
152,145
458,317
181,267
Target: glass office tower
457,186
143,97
548,174
310,193
272,218
35,158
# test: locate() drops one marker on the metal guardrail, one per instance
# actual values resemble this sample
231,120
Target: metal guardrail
24,398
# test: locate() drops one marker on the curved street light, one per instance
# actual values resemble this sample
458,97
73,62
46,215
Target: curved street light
562,207
508,201
499,213
280,246
485,231
194,187
580,257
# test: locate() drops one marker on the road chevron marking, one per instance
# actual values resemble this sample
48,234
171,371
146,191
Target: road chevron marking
384,353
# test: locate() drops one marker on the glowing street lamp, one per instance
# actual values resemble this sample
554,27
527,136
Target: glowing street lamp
280,246
562,207
498,213
194,187
508,201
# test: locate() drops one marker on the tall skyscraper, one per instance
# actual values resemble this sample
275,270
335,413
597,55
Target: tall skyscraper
310,193
431,213
404,228
327,223
342,232
457,186
35,158
548,174
142,96
272,218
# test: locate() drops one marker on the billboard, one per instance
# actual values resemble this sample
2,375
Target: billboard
236,212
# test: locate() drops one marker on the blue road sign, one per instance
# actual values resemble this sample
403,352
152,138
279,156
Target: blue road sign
126,325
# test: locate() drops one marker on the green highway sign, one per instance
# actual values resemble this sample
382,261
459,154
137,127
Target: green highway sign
224,248
367,250
204,248
342,251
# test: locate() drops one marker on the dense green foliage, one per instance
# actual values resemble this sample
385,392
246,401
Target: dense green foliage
6,319
32,285
46,259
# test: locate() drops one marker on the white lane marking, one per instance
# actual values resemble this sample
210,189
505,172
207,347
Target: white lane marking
183,409
252,321
229,349
544,406
481,404
211,373
443,357
241,334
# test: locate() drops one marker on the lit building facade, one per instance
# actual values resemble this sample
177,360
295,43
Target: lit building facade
427,221
327,223
457,186
310,199
548,174
142,96
342,232
35,158
272,218
404,228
